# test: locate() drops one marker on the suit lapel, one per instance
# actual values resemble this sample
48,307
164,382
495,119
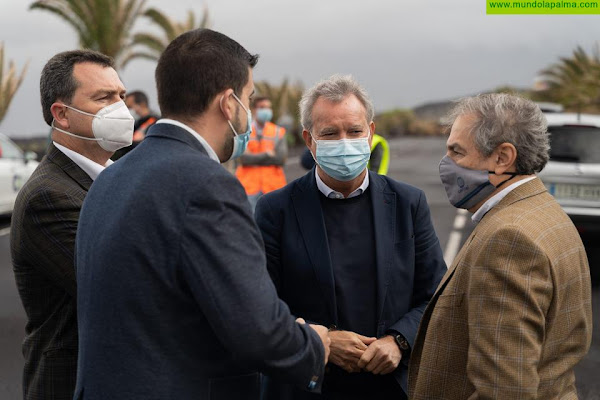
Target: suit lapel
384,219
455,263
69,167
415,358
309,214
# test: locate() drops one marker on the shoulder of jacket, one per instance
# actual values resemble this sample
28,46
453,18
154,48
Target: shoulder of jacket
46,192
281,196
48,176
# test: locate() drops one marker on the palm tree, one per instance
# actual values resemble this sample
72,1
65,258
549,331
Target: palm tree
9,82
575,81
156,44
293,98
277,95
102,25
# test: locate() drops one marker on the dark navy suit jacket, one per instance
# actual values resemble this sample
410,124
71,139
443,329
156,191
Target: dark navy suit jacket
173,296
410,263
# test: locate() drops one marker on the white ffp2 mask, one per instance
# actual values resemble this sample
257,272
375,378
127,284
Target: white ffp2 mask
112,126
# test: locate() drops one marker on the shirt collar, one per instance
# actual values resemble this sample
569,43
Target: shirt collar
332,194
492,201
90,167
209,150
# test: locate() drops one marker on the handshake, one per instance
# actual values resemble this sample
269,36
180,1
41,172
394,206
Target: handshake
354,352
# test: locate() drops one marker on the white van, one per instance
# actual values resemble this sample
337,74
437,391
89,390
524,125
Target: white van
572,175
15,170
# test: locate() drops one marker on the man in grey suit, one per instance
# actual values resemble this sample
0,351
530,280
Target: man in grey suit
82,99
174,297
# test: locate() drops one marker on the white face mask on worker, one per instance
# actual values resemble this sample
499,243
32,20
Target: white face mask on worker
112,126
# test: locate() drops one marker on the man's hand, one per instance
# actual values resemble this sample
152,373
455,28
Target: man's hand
347,348
381,357
323,334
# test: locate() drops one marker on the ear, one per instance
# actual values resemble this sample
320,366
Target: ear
505,158
372,129
308,140
226,105
59,112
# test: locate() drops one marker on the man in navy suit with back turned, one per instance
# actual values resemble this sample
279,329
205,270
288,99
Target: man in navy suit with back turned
174,298
351,249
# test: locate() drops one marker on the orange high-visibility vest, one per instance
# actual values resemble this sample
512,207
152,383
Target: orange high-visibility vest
262,178
140,133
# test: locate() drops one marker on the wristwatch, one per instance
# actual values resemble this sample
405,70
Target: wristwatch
401,342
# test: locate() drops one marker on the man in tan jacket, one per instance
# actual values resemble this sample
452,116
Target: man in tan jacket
512,316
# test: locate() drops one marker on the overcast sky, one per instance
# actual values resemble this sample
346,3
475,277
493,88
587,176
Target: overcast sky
404,52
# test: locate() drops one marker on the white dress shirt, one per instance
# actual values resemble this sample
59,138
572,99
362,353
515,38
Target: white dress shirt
332,194
90,167
492,201
209,150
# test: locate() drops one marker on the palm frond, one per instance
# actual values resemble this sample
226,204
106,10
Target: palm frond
131,55
575,80
103,25
160,19
62,13
191,21
149,40
10,81
1,61
206,22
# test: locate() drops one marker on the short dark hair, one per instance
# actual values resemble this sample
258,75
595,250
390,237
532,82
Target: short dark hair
139,97
258,100
195,67
57,81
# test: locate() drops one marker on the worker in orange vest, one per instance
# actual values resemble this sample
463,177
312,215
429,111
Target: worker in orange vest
260,168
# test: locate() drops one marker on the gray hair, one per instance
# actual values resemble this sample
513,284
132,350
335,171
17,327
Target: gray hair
335,89
503,118
57,81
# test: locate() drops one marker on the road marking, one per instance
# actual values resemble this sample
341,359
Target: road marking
455,237
460,220
4,231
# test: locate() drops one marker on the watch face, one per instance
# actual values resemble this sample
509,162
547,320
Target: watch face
402,343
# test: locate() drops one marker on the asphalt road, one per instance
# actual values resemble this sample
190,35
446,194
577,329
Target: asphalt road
413,161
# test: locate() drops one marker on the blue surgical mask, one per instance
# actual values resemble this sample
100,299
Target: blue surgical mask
240,140
466,187
264,115
343,159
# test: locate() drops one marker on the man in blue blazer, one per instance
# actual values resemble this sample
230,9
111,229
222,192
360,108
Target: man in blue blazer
351,249
174,299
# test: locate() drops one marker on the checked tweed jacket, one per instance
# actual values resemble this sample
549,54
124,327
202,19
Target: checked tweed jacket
44,224
512,316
